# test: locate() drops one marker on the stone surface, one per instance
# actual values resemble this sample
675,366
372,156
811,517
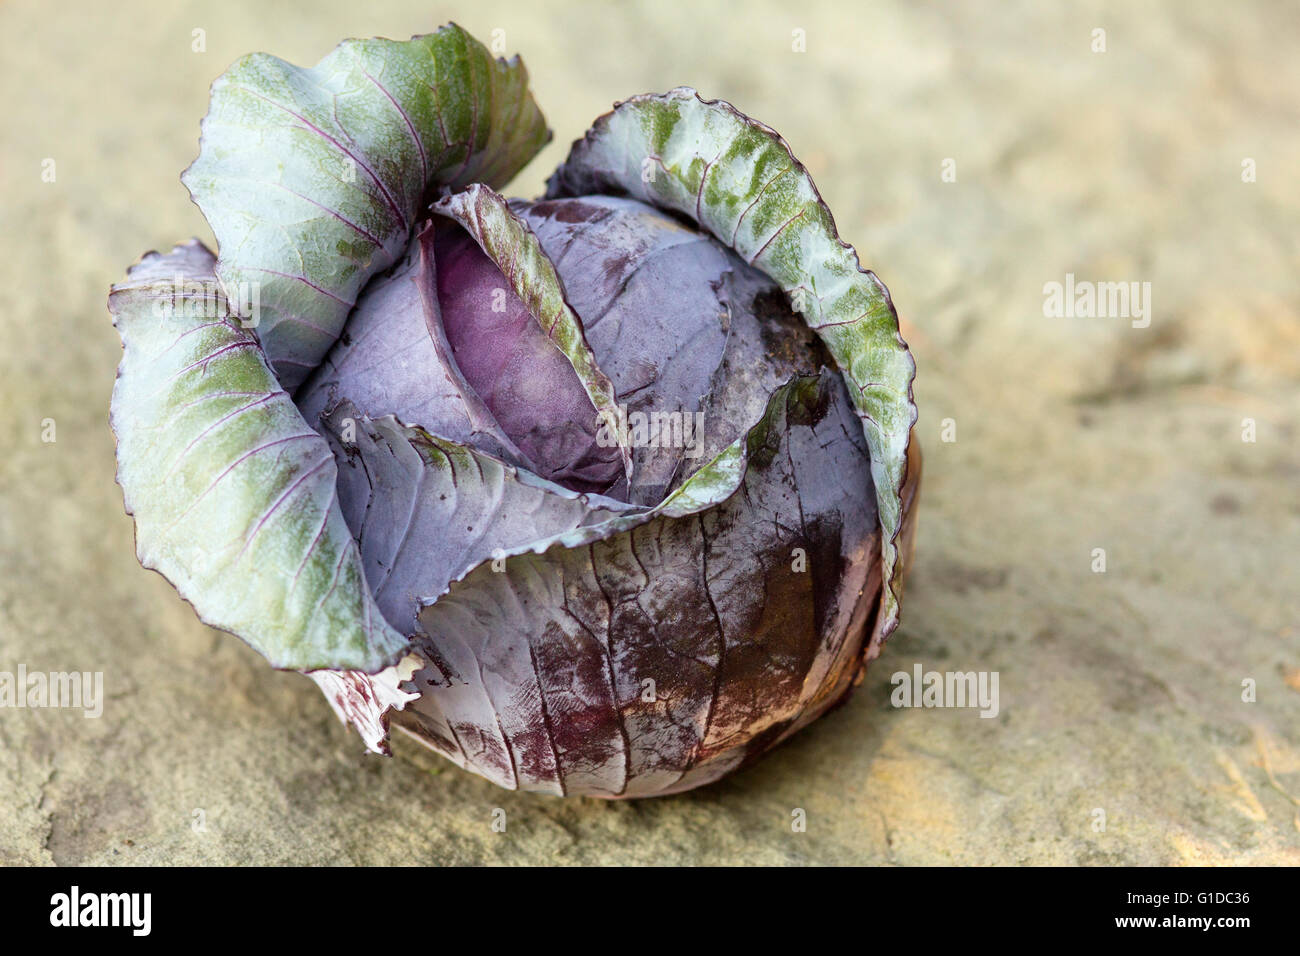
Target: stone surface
1120,691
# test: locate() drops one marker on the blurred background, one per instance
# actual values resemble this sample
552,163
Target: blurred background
972,152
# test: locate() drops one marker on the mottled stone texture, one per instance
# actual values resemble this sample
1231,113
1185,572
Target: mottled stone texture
1119,691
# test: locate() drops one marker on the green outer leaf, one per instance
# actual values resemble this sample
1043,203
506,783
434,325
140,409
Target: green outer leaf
313,178
510,243
233,494
739,180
